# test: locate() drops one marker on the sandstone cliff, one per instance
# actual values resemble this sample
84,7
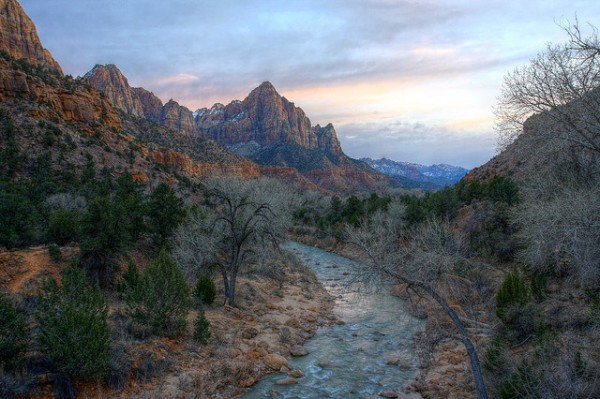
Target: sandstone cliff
266,118
19,38
109,80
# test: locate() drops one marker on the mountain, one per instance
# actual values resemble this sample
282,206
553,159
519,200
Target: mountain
19,38
265,118
416,175
65,123
265,128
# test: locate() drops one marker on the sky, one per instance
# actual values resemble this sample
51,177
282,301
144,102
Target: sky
409,80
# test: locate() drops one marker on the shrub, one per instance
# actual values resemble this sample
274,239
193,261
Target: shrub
130,279
13,335
496,359
73,327
513,292
523,383
161,298
204,292
62,227
54,252
201,329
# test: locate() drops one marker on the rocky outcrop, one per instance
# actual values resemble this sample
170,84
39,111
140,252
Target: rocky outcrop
181,162
139,102
178,118
19,38
265,117
76,104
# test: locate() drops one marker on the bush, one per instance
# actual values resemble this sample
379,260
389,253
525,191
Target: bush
205,291
161,298
73,327
13,335
130,278
513,292
62,227
201,329
54,252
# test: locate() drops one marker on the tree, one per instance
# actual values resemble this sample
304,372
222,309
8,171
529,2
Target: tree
563,84
420,258
165,211
13,335
245,218
73,325
104,237
160,299
560,222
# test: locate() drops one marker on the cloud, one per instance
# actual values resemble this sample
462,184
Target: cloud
361,64
417,142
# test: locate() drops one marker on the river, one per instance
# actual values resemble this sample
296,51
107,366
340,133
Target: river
350,360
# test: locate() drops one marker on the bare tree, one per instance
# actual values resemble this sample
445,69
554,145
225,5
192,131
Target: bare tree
563,84
560,222
243,220
421,260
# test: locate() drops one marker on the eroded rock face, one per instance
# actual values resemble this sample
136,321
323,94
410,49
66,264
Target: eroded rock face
178,118
265,117
136,101
78,105
19,38
183,163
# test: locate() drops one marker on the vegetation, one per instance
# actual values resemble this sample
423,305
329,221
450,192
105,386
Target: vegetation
14,335
250,220
73,327
201,329
160,299
205,291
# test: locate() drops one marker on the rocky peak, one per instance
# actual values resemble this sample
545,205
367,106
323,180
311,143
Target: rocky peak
178,118
109,79
265,117
327,139
19,38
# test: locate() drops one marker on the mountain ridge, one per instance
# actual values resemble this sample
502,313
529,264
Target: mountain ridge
423,176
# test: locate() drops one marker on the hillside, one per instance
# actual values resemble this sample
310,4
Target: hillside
265,128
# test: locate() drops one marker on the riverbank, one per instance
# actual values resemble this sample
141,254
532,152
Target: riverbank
444,367
280,306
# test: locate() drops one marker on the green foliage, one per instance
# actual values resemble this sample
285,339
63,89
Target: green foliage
130,279
13,335
54,252
513,292
205,291
130,197
523,383
351,211
447,202
201,329
18,218
538,286
104,236
161,298
496,358
165,211
73,327
62,226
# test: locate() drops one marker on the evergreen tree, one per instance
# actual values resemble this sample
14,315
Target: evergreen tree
160,299
73,326
165,213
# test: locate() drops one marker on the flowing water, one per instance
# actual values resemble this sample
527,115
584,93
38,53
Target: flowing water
349,360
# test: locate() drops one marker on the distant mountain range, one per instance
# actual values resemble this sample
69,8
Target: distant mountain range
414,175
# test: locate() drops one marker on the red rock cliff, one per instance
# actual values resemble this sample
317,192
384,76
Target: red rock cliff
19,38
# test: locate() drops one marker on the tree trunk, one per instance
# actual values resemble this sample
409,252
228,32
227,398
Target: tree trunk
225,284
475,365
